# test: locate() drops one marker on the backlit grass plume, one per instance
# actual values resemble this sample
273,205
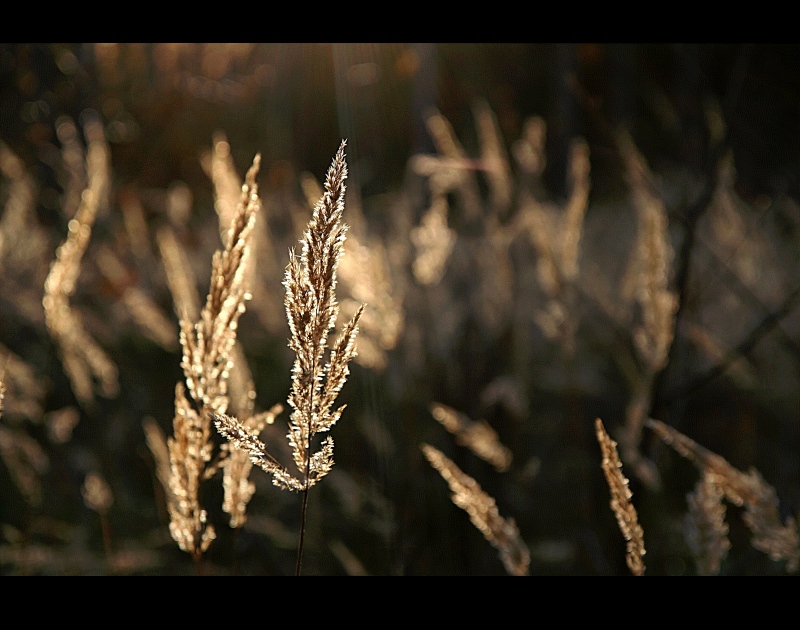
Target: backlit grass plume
207,346
648,278
312,309
478,437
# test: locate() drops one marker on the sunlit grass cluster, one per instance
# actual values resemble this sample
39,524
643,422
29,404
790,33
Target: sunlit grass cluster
490,265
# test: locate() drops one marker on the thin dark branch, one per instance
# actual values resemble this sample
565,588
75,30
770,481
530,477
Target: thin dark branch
748,343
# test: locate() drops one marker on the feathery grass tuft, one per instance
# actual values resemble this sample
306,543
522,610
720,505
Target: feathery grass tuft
311,309
648,279
206,363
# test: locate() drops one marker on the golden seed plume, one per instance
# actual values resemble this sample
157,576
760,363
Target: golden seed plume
262,269
311,309
189,451
366,278
207,346
207,343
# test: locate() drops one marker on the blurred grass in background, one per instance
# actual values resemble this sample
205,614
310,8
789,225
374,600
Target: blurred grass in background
470,341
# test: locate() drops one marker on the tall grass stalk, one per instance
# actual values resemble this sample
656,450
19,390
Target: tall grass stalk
312,309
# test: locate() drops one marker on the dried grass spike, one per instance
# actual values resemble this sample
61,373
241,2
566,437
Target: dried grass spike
247,441
207,344
648,279
653,263
312,309
189,451
627,518
206,362
502,533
